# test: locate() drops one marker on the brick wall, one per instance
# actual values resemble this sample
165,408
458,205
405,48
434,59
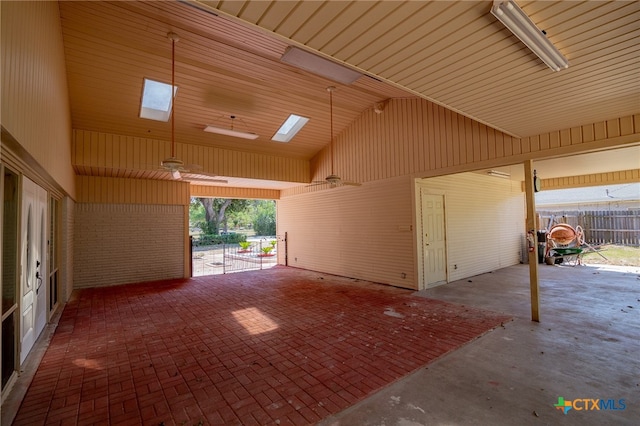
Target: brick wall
127,243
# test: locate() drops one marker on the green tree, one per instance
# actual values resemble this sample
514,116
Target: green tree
264,222
215,211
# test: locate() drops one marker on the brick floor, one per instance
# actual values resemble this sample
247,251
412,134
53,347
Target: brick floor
278,346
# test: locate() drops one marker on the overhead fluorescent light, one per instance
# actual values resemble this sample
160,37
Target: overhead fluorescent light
514,18
230,131
498,173
319,65
156,100
290,128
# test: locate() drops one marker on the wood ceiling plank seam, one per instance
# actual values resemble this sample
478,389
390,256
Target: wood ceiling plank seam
613,39
231,7
277,12
439,50
395,39
355,41
253,11
563,120
425,89
346,25
317,20
113,29
504,109
291,22
467,78
560,122
163,31
532,85
564,85
440,65
415,54
595,21
434,94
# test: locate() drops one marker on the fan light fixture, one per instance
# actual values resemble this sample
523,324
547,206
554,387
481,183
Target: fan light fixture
514,18
230,132
319,65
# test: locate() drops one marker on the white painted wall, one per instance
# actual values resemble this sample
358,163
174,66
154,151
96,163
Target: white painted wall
485,222
361,232
369,232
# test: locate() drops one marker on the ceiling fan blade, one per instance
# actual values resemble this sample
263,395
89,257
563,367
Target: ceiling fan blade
350,183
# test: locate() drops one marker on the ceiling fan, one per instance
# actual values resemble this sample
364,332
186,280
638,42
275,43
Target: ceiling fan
173,165
333,180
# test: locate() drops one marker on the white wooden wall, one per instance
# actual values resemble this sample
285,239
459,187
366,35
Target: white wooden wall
362,232
484,222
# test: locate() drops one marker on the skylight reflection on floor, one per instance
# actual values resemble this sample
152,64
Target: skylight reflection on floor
254,321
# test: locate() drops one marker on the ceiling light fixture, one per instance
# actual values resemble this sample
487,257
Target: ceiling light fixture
319,65
231,131
498,173
514,18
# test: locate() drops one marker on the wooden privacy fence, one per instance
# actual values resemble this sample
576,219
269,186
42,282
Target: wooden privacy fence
600,227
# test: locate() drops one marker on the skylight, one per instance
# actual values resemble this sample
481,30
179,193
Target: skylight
289,128
156,100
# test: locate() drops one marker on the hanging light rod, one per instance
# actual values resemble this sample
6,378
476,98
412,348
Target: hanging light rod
231,131
514,18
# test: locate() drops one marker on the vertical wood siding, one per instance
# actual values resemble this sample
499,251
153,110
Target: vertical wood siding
414,136
96,151
35,102
362,232
622,176
106,190
227,192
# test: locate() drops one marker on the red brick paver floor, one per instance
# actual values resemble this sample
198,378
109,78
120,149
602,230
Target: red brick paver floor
279,346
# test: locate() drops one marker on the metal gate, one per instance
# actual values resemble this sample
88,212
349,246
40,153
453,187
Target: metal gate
260,253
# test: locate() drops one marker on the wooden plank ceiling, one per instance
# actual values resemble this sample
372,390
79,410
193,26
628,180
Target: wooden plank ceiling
454,53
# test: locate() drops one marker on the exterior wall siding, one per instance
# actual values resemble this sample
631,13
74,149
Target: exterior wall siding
96,151
227,192
419,138
34,86
362,232
623,176
485,222
127,243
131,191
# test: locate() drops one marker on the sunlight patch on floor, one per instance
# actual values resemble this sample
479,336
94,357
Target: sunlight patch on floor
254,321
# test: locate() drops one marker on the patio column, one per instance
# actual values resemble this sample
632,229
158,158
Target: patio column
531,228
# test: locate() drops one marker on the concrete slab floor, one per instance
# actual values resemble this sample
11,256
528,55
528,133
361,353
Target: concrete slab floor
586,346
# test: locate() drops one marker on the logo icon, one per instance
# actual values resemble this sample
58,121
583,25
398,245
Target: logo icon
563,405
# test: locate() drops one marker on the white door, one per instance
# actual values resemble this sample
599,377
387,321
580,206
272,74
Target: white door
434,249
33,265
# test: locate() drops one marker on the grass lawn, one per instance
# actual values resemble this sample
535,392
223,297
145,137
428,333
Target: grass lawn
616,255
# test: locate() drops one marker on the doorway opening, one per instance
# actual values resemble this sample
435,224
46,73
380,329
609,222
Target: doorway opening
233,235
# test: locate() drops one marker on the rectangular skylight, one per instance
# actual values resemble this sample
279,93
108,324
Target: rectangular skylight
290,128
156,100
